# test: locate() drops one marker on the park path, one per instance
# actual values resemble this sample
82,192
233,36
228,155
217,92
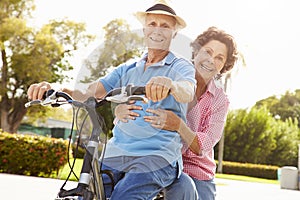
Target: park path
14,187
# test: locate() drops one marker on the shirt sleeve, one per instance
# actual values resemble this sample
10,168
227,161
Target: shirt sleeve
112,79
185,71
209,123
184,84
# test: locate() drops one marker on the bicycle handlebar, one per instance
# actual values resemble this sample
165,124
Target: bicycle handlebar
124,94
118,95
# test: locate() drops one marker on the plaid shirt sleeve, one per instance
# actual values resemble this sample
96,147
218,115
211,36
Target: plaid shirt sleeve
207,119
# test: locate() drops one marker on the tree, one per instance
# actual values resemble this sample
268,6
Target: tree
30,56
248,136
227,81
222,140
283,107
120,45
286,135
255,136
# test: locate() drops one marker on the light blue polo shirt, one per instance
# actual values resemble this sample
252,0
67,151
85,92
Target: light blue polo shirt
137,137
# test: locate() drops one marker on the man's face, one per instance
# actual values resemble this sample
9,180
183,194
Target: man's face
159,31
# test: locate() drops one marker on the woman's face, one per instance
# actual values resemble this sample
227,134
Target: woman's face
159,31
210,59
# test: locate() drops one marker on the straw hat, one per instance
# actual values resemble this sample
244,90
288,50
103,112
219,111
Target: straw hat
161,7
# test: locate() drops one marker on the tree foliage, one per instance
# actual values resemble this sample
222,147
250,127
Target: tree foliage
286,135
255,136
29,55
120,44
284,107
247,136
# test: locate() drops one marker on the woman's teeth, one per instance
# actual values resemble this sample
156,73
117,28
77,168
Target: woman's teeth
206,68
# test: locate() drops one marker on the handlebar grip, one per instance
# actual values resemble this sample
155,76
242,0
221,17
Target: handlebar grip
48,93
55,95
130,90
136,90
64,95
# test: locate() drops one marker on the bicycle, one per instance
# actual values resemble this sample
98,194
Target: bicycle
90,184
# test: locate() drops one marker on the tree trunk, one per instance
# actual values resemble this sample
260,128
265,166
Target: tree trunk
4,107
4,113
12,110
11,118
221,142
220,155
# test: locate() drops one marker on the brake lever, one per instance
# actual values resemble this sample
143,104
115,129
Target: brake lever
31,103
125,99
137,98
49,99
117,98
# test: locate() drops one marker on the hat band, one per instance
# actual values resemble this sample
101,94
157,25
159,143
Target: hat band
161,7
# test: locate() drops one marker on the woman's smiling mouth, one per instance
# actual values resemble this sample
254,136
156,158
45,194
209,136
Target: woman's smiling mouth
205,67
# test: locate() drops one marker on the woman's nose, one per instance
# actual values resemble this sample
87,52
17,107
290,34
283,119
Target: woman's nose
210,60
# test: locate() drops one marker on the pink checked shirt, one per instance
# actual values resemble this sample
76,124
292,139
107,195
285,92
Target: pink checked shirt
207,119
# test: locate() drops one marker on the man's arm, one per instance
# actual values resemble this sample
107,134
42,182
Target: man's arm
160,87
183,91
96,89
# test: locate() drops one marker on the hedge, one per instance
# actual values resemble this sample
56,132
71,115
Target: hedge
43,156
32,155
249,169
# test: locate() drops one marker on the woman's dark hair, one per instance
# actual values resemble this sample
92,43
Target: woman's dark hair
213,33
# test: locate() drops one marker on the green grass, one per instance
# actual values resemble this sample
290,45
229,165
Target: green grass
63,174
246,178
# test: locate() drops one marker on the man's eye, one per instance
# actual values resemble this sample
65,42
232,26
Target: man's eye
209,52
151,24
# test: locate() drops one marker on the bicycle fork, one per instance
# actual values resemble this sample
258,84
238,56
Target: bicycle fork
90,182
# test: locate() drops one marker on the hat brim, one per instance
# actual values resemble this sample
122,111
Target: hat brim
141,16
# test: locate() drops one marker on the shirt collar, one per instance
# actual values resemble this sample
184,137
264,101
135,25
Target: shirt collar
166,61
213,86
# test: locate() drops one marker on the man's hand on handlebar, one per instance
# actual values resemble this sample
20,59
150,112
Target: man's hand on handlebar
36,91
158,88
38,94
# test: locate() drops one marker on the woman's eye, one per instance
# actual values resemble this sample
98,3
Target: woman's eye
205,52
220,59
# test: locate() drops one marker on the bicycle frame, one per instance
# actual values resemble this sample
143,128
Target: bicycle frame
90,184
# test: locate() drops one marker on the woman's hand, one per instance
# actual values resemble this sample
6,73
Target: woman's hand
123,112
163,119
